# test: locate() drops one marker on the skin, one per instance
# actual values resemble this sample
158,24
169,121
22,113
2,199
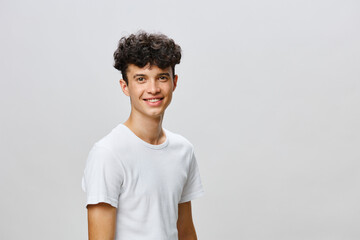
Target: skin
147,82
101,221
185,225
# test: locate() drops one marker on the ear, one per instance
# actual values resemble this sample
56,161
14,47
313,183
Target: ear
124,87
175,82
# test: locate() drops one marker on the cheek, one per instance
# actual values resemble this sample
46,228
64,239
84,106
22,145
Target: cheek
168,88
169,93
136,93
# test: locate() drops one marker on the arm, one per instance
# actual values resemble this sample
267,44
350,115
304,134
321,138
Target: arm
101,221
185,225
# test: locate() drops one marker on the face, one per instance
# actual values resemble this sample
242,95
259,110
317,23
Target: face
150,89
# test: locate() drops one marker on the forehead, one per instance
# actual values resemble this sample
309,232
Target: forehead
148,69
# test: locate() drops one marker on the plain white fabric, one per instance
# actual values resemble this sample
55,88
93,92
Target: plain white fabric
144,182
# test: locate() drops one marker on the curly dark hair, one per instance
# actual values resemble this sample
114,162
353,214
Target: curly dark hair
143,48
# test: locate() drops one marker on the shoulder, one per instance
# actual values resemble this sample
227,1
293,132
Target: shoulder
179,140
103,154
115,139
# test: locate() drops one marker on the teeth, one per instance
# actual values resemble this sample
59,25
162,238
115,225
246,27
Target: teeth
154,100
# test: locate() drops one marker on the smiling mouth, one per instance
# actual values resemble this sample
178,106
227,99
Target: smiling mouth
154,99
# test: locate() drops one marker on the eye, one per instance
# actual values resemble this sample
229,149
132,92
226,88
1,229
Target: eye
140,79
163,78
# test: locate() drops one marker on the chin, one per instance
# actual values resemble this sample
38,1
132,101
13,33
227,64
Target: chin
156,114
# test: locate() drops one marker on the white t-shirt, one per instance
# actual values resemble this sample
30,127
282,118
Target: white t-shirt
144,182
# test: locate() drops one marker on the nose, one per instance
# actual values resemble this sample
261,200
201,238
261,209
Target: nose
153,87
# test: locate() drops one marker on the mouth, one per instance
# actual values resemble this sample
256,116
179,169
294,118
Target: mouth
152,100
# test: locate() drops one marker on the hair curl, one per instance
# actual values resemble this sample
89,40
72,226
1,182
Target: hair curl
143,48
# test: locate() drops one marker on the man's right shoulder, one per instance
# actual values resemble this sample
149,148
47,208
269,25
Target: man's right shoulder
115,139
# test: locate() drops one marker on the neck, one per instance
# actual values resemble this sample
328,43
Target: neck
147,128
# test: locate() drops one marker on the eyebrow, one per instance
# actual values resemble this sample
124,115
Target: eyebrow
143,75
139,75
164,74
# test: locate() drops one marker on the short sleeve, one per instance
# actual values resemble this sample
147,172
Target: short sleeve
193,187
103,177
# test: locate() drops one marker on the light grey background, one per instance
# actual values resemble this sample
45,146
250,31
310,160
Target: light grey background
268,93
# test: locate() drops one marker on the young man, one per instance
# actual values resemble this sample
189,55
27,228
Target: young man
140,178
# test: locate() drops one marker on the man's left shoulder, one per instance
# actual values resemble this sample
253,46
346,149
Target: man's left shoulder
179,139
